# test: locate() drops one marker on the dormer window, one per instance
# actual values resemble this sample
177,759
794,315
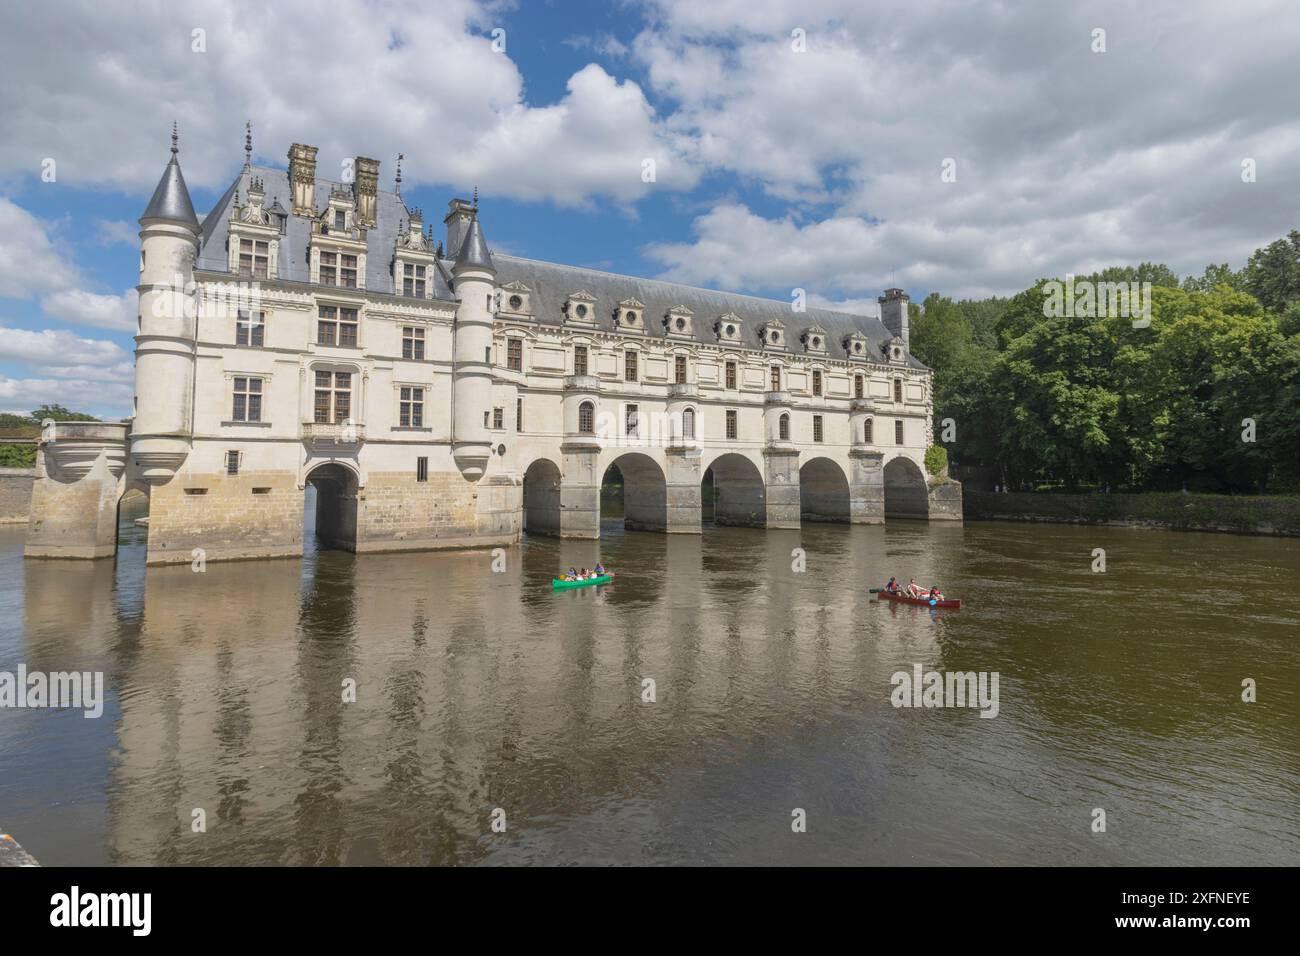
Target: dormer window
338,269
728,328
580,307
413,278
514,299
340,220
629,316
254,257
581,310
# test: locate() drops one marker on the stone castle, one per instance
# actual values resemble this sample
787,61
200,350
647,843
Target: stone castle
438,395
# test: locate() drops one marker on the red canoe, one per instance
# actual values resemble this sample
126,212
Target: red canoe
923,602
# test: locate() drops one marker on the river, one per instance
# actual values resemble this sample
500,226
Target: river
480,690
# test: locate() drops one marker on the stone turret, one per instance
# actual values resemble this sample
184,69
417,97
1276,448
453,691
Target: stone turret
164,356
893,313
475,279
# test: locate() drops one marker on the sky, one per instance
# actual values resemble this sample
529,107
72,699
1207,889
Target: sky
833,146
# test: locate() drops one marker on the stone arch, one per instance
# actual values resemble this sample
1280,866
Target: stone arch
335,487
823,491
740,496
541,498
645,492
906,492
131,510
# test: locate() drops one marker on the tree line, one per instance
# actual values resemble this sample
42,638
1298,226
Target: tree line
1204,398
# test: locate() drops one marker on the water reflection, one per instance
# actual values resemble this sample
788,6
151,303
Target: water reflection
478,690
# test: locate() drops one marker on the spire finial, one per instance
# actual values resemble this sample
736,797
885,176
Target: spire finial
175,139
476,199
248,145
400,157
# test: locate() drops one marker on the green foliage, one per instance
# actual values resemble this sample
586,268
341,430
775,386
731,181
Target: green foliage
17,456
1093,402
936,459
60,414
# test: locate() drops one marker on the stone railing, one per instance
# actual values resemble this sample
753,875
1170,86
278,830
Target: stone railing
328,434
581,383
776,398
683,390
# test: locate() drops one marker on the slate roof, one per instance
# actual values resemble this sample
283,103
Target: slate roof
551,284
171,200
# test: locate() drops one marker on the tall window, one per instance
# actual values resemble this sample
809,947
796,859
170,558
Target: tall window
515,355
731,375
629,366
859,388
498,418
688,423
580,360
413,280
817,382
867,430
340,220
817,428
335,326
586,418
898,389
232,462
422,469
410,407
254,255
731,423
898,431
680,369
776,378
339,269
333,404
631,422
783,428
248,400
249,327
519,414
413,343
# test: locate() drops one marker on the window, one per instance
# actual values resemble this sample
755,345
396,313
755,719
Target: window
630,421
586,418
498,418
783,428
339,269
688,423
336,326
232,462
898,389
817,382
422,469
629,366
859,387
515,355
249,327
519,414
731,423
333,403
413,280
410,407
254,255
731,375
248,400
817,428
776,378
580,360
898,431
866,431
680,369
340,219
413,343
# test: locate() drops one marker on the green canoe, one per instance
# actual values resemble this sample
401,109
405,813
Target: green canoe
558,585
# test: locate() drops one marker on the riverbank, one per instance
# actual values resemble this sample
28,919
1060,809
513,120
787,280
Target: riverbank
1174,511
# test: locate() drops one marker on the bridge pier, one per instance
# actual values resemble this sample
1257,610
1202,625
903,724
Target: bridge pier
866,487
781,481
682,510
78,484
580,490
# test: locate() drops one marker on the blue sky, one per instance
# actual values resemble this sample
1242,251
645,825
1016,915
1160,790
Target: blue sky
798,144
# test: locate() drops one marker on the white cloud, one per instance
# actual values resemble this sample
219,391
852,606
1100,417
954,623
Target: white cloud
57,347
21,395
111,232
29,261
406,76
79,307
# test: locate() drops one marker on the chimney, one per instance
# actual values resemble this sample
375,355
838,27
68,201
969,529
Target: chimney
460,212
365,190
302,179
893,313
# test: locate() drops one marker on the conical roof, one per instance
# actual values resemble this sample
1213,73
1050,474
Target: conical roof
473,250
171,200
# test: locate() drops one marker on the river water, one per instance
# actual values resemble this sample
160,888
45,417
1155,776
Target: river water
481,691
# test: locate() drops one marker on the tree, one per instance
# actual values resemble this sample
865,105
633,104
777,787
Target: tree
60,414
1272,274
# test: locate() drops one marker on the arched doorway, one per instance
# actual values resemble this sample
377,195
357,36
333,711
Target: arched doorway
906,492
542,498
331,508
823,491
733,487
639,482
